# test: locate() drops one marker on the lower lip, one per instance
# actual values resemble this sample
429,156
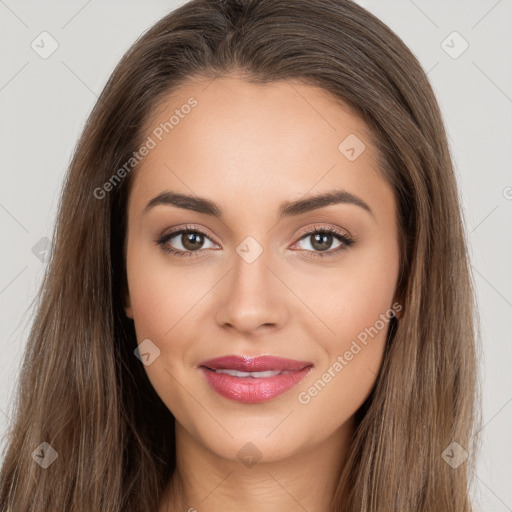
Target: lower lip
253,390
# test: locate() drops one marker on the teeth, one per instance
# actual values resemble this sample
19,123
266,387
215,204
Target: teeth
257,375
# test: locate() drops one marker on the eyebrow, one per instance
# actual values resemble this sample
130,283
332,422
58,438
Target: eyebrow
287,209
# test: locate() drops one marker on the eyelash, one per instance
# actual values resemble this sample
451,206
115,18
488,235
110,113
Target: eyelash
346,241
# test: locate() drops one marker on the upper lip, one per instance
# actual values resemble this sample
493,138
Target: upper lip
254,364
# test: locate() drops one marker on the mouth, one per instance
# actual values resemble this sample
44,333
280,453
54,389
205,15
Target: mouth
253,380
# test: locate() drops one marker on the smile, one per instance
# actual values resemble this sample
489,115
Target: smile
253,380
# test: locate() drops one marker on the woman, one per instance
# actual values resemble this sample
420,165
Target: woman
259,293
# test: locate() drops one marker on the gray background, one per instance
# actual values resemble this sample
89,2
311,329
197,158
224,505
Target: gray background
44,104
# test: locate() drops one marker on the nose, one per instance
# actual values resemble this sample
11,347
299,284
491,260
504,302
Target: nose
252,297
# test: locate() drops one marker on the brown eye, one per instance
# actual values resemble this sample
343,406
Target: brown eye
192,241
321,240
184,242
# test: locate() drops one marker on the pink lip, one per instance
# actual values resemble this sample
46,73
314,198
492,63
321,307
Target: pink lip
253,389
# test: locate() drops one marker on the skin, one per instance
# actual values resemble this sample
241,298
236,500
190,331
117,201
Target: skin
249,148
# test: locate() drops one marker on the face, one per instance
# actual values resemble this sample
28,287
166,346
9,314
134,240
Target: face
257,275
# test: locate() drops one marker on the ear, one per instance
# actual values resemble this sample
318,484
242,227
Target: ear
398,307
128,306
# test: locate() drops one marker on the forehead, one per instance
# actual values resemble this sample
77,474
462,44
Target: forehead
229,138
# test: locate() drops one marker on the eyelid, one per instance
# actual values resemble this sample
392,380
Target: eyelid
330,229
176,230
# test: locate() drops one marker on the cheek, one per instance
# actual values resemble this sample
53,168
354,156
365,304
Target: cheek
162,304
149,301
362,301
352,297
358,312
160,294
358,307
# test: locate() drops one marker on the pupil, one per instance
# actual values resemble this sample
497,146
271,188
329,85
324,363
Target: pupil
192,241
321,241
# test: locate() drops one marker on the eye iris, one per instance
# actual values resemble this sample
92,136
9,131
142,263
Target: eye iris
321,241
192,241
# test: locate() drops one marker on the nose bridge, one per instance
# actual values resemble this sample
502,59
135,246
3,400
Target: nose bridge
252,265
253,296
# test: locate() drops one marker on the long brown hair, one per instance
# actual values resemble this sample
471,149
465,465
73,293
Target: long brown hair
82,390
